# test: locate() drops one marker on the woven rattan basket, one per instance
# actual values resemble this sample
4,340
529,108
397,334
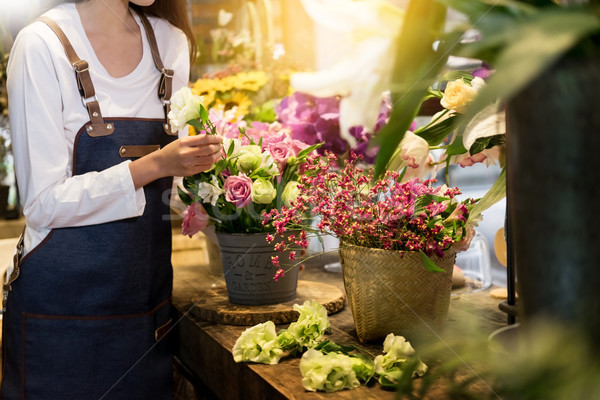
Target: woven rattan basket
392,294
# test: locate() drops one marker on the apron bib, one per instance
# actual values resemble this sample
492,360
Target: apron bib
87,315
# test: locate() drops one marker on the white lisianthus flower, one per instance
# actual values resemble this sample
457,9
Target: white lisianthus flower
185,106
366,73
397,351
290,193
311,324
210,192
258,344
263,191
327,372
249,158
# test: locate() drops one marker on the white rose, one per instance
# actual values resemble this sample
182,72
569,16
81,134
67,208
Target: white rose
185,106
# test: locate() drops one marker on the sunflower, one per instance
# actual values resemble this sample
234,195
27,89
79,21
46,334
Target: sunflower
234,99
203,85
252,80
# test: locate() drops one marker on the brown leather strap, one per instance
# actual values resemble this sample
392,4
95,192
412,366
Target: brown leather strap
96,127
16,269
134,151
165,86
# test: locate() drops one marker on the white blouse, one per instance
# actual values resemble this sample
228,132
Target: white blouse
46,112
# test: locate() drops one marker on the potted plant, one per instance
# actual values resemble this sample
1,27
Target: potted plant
258,173
398,241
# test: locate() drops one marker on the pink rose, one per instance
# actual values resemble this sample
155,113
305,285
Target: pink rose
238,190
274,138
298,146
195,219
280,152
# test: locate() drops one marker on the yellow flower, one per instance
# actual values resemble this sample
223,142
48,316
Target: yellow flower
234,99
203,85
458,95
225,84
252,80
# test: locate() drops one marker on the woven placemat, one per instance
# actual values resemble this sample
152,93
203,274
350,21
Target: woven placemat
214,305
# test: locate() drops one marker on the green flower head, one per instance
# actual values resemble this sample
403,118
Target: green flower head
311,324
263,191
327,372
258,344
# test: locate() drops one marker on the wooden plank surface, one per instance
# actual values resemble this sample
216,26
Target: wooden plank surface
205,347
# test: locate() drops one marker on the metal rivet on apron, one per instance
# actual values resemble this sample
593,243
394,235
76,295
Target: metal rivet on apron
166,126
90,128
123,150
94,114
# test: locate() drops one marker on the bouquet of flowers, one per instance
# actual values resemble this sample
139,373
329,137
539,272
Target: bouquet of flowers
414,216
258,172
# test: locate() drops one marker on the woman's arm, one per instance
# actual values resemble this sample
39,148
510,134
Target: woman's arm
188,155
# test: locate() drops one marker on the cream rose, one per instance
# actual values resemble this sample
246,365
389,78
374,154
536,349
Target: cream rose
250,158
185,106
458,95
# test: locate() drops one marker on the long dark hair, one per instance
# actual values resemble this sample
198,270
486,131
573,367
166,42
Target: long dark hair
174,11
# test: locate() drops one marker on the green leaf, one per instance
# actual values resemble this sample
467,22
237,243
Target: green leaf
415,67
203,113
456,147
303,153
487,143
438,132
429,264
539,42
198,125
231,148
496,193
185,198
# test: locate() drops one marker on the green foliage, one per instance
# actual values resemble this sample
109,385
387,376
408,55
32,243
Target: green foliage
520,40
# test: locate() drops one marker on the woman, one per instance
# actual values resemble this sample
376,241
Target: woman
89,300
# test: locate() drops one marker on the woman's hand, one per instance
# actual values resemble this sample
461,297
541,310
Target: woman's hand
185,156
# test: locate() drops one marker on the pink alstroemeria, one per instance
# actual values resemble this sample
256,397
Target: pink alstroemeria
195,219
487,156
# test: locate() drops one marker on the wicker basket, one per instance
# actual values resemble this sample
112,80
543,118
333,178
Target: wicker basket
392,294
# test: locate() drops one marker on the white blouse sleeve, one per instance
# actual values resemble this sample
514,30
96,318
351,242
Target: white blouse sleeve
51,197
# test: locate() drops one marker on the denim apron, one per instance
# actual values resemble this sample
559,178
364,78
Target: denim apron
86,317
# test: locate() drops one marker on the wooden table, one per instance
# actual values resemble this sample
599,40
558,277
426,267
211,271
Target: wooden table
203,348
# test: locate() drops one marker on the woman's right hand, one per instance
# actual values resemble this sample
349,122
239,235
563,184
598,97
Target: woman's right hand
185,156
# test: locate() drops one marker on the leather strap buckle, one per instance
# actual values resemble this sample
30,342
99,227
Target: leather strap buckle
167,73
85,102
80,66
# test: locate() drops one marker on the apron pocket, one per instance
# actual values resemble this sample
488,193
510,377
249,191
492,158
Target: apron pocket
96,357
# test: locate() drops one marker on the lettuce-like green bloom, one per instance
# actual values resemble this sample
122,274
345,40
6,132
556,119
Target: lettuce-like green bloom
258,344
397,352
328,372
311,324
263,191
249,158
